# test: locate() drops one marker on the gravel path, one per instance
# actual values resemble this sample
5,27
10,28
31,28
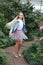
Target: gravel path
20,60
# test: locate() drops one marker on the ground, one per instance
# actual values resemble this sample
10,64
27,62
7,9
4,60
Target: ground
20,60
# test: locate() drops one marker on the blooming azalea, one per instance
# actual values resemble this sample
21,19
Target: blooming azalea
41,27
41,38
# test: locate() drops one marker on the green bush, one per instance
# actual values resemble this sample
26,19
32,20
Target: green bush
5,42
3,57
36,32
34,54
30,37
41,18
2,35
40,33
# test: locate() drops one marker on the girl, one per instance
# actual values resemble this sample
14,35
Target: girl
18,34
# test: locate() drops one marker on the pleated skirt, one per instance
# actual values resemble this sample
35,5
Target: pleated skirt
18,35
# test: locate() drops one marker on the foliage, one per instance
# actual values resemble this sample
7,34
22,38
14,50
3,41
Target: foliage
5,42
41,18
2,34
34,54
8,10
3,57
40,34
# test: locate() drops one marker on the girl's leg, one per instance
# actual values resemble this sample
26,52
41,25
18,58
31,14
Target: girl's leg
20,44
16,48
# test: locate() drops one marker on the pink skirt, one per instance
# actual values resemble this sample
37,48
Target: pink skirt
18,35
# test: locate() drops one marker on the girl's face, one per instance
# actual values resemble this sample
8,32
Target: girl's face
21,16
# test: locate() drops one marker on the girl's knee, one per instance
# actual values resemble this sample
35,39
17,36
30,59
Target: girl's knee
19,42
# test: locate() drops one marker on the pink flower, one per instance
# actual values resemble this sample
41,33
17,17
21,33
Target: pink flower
41,38
41,27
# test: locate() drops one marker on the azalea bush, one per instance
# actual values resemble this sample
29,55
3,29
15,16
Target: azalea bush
41,33
34,54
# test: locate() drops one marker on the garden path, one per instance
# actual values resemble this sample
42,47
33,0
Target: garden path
20,60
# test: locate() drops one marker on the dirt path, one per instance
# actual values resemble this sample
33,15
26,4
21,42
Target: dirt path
20,60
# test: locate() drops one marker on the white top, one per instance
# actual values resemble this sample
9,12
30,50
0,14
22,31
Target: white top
20,25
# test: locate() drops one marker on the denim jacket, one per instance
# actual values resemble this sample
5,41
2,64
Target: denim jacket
14,27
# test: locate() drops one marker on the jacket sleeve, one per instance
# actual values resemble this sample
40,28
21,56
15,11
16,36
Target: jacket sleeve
14,27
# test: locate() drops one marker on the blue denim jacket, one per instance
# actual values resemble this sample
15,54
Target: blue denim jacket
14,27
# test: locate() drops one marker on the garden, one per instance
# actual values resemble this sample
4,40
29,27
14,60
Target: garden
34,25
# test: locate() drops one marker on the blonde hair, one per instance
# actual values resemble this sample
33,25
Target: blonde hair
9,25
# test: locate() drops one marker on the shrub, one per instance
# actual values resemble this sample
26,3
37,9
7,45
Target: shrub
34,54
2,34
5,42
41,18
3,57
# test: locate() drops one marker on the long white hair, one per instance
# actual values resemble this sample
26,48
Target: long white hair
9,24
